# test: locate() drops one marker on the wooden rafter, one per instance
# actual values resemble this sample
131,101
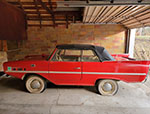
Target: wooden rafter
48,10
139,1
148,9
34,13
135,11
87,1
127,16
111,1
21,5
39,14
50,4
74,19
67,21
147,19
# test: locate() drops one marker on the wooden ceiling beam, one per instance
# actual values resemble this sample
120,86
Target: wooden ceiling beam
141,18
48,10
50,3
135,12
111,1
148,9
57,16
48,19
104,14
38,25
100,14
87,1
39,14
30,7
25,17
71,13
48,25
138,25
138,16
32,3
123,13
145,20
74,19
38,10
67,21
21,6
124,9
115,13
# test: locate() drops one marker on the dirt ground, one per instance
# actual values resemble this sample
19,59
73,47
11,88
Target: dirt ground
142,48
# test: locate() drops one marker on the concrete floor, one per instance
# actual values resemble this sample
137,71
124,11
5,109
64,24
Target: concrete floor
131,99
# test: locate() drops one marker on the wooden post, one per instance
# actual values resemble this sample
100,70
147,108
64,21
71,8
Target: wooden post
1,45
127,40
67,21
5,45
19,44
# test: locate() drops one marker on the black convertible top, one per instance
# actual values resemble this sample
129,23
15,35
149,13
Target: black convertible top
101,52
80,46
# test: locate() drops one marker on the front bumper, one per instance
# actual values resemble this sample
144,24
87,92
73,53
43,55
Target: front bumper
1,74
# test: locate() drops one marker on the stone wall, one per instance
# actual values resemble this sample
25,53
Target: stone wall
43,40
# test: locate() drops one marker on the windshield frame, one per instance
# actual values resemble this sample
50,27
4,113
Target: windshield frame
50,56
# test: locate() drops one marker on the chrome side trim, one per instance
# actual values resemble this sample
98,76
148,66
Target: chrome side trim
105,73
28,71
61,72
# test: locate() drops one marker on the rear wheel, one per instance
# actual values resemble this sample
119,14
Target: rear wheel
107,87
35,84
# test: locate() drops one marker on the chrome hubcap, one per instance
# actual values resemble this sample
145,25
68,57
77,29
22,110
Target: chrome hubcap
107,87
35,84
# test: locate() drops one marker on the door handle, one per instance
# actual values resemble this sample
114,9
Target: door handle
77,68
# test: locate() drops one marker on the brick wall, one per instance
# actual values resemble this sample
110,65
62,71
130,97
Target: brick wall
43,40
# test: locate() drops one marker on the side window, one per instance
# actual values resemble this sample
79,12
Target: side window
89,56
67,55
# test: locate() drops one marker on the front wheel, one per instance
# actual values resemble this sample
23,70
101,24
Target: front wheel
107,87
35,84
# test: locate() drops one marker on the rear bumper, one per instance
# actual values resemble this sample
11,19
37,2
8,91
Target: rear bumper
146,76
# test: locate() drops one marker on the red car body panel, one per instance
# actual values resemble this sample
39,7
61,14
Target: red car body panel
78,73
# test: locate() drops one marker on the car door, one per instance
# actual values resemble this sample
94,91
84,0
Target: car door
91,67
65,66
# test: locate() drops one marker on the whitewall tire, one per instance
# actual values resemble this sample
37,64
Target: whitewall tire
35,84
107,87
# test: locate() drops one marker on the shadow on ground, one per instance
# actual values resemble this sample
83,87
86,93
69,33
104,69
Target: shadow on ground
17,84
88,88
12,83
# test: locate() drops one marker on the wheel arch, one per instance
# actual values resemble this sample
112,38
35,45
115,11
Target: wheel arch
29,74
105,79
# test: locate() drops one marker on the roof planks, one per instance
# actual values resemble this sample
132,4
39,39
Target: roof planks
129,16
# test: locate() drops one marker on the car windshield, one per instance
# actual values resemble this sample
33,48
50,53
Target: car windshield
50,55
106,56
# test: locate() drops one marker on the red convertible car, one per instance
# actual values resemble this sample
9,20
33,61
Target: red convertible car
73,64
